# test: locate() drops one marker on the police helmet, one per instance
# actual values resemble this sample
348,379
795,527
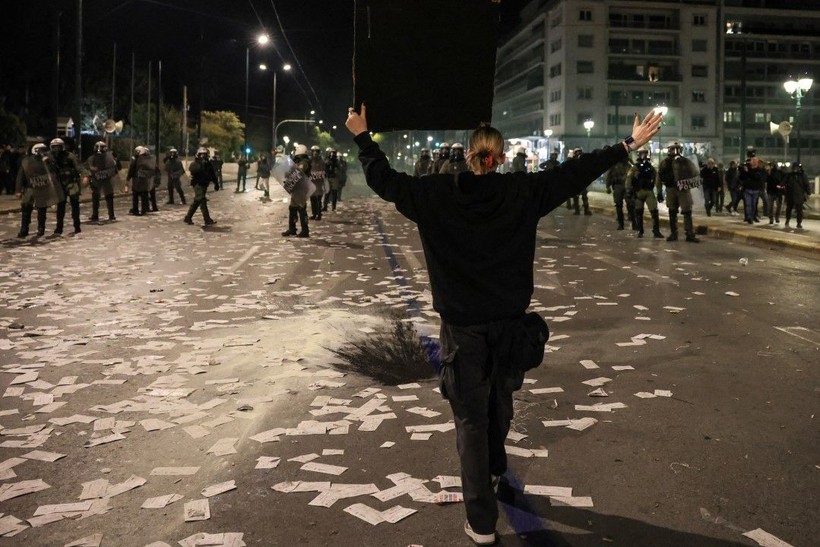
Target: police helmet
445,145
457,145
751,152
173,152
521,150
39,149
202,152
674,148
425,151
576,153
315,148
57,145
100,147
643,153
300,150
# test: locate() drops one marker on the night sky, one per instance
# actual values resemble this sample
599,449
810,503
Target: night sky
201,44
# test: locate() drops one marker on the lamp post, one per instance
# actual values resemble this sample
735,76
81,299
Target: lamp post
798,89
661,110
588,125
285,67
262,39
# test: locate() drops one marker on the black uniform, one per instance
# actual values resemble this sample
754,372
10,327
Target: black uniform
68,189
103,168
175,170
202,175
36,184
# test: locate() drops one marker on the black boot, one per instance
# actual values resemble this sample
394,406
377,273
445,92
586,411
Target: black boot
619,214
75,213
153,197
656,224
181,195
135,200
109,204
291,231
689,228
639,221
189,218
303,222
207,214
170,194
673,226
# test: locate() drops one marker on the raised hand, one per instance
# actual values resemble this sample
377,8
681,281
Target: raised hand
643,131
356,123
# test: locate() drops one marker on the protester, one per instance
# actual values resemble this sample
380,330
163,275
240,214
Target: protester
797,192
478,233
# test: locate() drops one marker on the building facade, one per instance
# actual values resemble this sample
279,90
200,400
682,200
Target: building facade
572,61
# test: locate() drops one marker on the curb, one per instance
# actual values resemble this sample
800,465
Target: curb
727,234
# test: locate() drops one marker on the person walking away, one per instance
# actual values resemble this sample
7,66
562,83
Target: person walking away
616,185
263,168
584,197
797,192
141,174
241,173
753,180
478,234
776,188
710,178
642,179
317,176
679,175
519,162
300,192
103,168
424,165
175,170
36,187
342,177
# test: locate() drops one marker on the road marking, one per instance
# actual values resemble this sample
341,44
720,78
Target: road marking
244,258
803,330
410,257
639,272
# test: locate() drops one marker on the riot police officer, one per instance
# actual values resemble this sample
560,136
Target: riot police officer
202,175
616,185
424,165
332,171
318,176
550,163
679,175
103,168
175,170
36,182
519,162
68,189
443,155
298,196
457,163
141,175
640,181
217,163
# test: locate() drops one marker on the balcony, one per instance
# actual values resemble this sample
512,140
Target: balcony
656,51
643,23
629,73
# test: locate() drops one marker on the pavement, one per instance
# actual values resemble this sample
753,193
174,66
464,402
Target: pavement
146,360
720,225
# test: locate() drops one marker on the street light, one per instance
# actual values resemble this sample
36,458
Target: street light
548,134
661,111
798,89
285,67
588,125
262,39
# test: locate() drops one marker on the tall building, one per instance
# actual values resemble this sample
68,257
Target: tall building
574,61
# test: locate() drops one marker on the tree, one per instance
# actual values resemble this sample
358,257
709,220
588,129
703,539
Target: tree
12,128
323,139
223,130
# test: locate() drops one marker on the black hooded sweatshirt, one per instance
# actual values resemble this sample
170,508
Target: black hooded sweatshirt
478,231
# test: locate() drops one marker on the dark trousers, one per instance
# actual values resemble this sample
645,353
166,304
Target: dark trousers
243,178
152,197
95,204
720,197
316,207
331,198
476,381
798,211
710,200
200,200
139,203
26,220
750,204
175,185
75,214
775,205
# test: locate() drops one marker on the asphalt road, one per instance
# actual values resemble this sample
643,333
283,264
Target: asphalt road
215,335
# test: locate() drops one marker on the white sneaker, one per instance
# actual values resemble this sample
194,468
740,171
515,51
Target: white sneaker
479,539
